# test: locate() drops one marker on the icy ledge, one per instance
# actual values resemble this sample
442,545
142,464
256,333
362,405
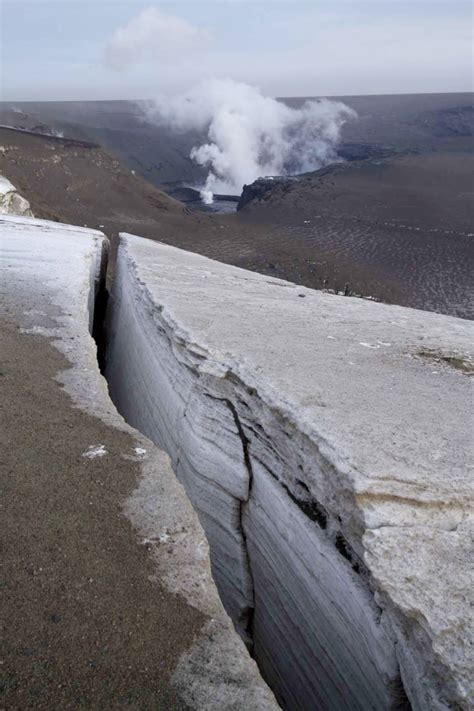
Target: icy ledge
324,442
11,202
51,275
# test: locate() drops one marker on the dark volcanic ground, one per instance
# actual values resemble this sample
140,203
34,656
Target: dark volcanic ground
85,625
400,229
397,225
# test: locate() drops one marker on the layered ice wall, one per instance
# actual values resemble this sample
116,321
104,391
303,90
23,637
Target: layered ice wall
324,442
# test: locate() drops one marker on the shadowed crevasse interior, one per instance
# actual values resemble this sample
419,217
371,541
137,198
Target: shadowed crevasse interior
297,592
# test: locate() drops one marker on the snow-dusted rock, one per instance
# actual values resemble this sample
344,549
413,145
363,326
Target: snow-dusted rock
11,202
50,277
325,443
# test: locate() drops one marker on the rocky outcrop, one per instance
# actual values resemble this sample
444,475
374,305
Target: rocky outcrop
256,191
11,202
324,442
52,279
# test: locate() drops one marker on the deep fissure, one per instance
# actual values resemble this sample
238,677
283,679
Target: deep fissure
313,510
249,637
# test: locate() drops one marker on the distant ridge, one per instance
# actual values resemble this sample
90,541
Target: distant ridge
69,142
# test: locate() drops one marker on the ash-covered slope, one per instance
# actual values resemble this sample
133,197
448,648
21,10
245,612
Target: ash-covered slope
157,153
78,182
325,444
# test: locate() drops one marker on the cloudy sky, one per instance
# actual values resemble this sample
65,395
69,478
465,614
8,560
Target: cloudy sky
90,49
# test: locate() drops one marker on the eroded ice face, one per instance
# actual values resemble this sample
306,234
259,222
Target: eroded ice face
11,202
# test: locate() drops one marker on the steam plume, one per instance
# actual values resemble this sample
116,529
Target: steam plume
152,36
251,135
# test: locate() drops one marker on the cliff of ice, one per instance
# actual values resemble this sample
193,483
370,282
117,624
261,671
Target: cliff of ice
325,443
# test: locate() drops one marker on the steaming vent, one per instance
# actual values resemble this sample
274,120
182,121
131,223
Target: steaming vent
250,135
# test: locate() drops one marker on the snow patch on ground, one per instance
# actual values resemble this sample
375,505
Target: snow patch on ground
11,202
95,451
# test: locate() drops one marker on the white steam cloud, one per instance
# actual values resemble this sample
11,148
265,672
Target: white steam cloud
152,36
251,135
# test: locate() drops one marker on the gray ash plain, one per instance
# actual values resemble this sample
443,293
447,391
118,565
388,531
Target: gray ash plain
399,229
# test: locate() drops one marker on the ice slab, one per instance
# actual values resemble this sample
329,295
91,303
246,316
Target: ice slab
325,442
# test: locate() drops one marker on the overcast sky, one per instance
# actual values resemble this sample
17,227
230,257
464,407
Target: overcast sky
91,49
